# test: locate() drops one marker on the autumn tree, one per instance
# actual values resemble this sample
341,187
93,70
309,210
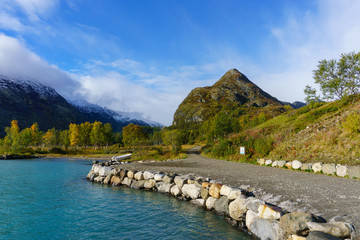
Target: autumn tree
64,138
36,134
84,134
133,135
108,133
172,138
74,134
97,135
26,137
49,138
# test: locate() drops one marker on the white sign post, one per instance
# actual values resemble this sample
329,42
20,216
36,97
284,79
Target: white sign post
242,150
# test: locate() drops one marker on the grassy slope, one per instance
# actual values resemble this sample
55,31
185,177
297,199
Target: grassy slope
310,134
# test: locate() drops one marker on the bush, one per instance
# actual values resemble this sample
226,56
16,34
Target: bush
352,123
222,148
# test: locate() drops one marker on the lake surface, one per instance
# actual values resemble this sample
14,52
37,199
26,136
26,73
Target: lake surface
51,199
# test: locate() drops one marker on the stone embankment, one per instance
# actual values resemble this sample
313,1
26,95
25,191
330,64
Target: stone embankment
238,206
318,167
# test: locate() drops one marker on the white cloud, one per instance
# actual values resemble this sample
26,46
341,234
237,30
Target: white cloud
35,9
16,60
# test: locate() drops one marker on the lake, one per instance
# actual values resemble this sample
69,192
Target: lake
51,199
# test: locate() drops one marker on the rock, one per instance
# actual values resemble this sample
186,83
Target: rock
337,229
317,167
115,171
269,211
274,164
296,222
281,163
96,168
210,203
115,181
225,190
288,165
316,235
130,174
296,164
214,190
92,175
159,176
180,180
253,203
198,202
150,184
268,162
204,193
237,208
261,161
191,191
107,179
163,187
341,170
168,179
354,172
206,185
123,173
266,229
329,168
236,192
251,216
127,181
138,184
148,175
104,171
306,167
139,176
175,190
296,237
99,179
221,205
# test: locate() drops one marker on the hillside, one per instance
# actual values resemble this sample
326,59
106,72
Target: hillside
233,89
29,102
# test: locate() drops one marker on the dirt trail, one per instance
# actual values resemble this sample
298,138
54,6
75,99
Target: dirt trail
324,195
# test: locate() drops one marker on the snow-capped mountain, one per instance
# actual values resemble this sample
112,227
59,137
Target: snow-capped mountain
28,101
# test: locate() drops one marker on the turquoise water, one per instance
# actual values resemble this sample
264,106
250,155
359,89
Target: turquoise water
50,199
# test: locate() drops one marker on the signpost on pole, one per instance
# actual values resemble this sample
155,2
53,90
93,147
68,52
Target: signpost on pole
242,150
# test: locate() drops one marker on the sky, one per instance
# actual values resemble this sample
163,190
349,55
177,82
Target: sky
146,56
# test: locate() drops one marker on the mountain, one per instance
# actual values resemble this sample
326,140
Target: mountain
233,89
29,102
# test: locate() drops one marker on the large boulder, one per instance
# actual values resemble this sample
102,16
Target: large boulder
306,167
148,175
107,179
123,173
329,168
268,162
354,172
281,163
163,187
317,167
150,184
251,216
296,164
269,211
115,180
138,184
266,229
337,229
341,170
210,203
168,179
105,171
237,208
96,168
191,191
221,205
92,175
204,193
317,235
139,176
296,222
180,180
215,189
159,176
253,203
175,190
198,202
127,181
130,174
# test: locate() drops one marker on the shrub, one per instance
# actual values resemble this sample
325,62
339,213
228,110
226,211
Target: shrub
352,123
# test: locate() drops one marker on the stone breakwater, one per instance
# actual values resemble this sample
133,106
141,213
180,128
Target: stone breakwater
238,206
318,167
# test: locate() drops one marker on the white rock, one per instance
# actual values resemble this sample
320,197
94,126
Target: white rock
159,176
191,190
261,161
210,203
127,181
105,171
269,211
149,184
175,190
268,162
199,202
288,164
275,163
281,164
139,176
96,168
317,167
236,192
163,187
306,167
337,229
148,175
266,229
225,190
237,208
251,216
296,164
130,174
342,171
180,180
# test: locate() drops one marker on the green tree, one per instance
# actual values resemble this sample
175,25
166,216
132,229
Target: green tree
84,134
338,78
64,138
49,138
173,138
36,134
133,135
97,134
108,134
311,96
26,137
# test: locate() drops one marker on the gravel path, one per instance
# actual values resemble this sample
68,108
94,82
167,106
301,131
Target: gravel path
323,195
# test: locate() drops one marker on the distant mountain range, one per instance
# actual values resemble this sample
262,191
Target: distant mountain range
29,102
233,89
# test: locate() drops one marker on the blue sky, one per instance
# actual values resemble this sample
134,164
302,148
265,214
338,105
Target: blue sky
146,55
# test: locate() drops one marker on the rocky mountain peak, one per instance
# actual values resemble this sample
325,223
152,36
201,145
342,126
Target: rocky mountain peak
232,88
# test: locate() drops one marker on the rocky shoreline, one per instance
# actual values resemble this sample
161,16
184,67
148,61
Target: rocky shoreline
238,206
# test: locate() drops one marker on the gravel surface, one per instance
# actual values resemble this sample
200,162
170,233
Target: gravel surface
327,196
